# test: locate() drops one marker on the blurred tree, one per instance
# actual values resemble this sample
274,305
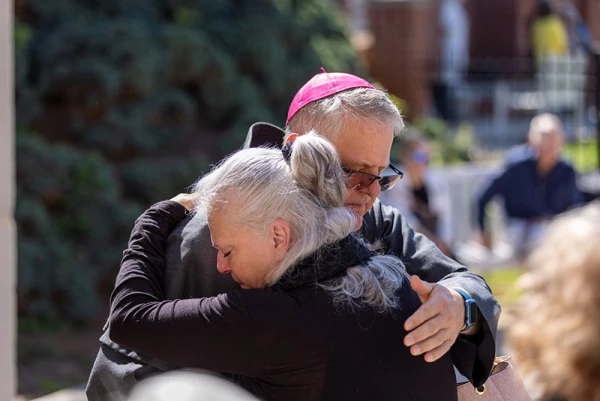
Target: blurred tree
121,103
447,147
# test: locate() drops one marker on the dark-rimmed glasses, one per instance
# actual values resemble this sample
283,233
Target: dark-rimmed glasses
358,180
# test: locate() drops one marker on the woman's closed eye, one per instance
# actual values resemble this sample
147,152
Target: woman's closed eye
226,254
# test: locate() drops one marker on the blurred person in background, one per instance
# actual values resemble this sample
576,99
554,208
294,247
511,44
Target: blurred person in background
548,34
320,316
421,200
556,337
579,35
361,122
534,188
454,56
526,150
520,152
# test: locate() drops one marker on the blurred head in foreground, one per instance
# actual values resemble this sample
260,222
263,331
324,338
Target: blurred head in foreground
188,386
556,339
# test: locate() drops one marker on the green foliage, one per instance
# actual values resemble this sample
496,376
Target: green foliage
503,283
123,103
583,155
50,385
142,178
22,36
66,243
32,325
447,147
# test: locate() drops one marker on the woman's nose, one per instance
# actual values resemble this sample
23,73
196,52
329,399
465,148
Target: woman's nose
222,265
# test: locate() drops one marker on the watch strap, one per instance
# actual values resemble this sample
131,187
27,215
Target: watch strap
470,309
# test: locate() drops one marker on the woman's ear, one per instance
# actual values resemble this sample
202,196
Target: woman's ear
280,234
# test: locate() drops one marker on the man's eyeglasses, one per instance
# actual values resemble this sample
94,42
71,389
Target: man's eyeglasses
358,180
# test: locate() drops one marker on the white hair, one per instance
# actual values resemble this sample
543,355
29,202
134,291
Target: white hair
188,385
308,193
375,284
361,105
544,124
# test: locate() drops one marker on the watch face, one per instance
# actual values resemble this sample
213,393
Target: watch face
470,312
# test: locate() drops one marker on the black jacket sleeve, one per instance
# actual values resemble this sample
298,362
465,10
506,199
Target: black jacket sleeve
473,356
205,331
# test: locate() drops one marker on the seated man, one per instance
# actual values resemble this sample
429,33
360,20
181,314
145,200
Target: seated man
534,188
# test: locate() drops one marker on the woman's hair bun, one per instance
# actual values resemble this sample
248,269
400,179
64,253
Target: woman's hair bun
316,167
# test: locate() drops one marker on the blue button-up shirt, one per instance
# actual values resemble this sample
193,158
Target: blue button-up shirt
528,195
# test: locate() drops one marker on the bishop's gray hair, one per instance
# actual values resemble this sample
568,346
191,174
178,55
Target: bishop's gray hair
361,105
257,186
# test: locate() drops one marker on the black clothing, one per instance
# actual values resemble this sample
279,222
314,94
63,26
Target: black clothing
293,345
333,261
528,195
421,195
420,208
191,273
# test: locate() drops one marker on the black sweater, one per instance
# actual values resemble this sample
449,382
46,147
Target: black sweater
284,345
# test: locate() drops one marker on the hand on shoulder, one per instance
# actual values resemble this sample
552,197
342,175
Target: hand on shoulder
186,200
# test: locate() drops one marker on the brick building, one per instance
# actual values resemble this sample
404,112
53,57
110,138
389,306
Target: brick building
404,38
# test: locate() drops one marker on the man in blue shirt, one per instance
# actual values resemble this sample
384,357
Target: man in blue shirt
535,188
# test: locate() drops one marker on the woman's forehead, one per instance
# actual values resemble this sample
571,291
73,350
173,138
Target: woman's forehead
218,224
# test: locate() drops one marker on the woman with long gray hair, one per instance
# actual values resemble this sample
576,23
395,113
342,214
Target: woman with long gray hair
322,314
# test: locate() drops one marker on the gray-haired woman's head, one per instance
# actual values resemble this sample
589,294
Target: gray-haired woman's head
355,106
255,189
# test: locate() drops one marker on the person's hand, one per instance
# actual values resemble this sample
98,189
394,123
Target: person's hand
185,200
434,327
